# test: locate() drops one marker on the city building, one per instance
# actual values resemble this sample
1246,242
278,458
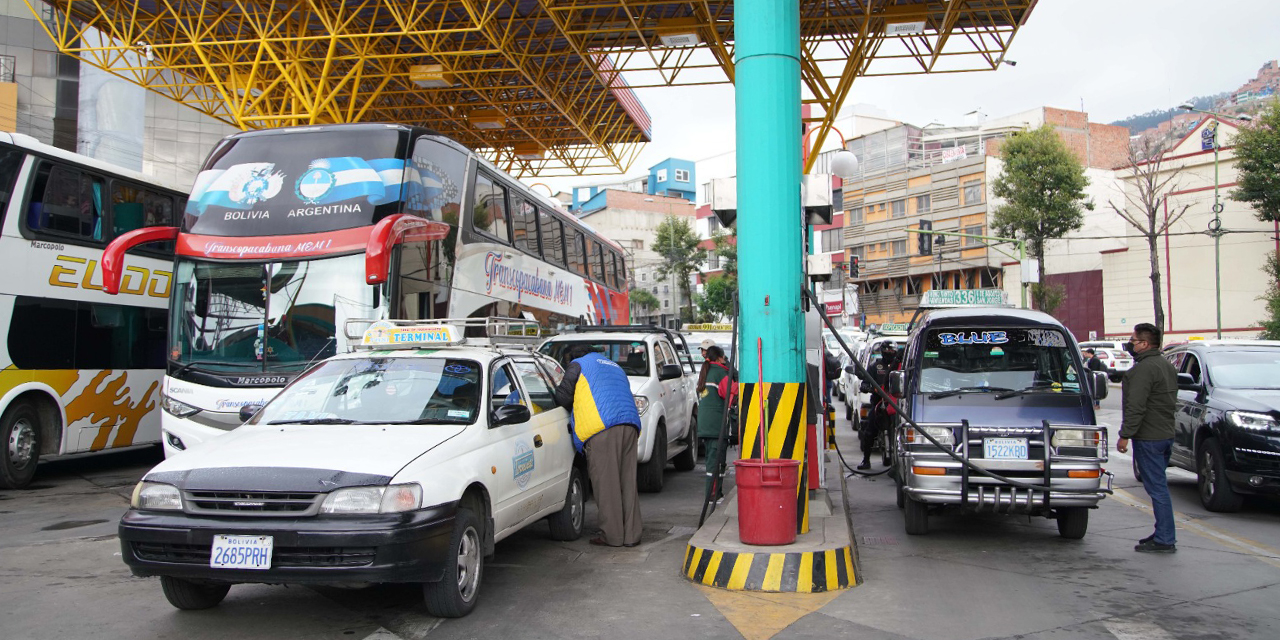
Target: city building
1185,252
939,178
56,99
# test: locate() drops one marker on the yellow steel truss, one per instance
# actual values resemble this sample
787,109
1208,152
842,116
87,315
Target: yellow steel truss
552,69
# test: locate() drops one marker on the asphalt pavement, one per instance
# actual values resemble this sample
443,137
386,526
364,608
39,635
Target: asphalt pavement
971,577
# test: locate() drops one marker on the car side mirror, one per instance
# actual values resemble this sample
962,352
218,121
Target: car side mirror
894,386
670,371
1100,385
510,414
1187,383
864,387
247,411
848,368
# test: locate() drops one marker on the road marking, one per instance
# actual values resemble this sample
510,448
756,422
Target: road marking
1225,538
1128,630
760,616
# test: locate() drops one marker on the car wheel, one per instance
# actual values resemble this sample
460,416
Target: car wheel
1216,493
566,524
848,414
901,498
1073,522
886,451
20,429
687,460
649,475
916,516
455,594
192,596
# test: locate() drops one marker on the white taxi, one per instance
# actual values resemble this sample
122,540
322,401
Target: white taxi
405,460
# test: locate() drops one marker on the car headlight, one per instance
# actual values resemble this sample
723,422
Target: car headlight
642,404
1252,421
176,408
156,496
943,435
1074,438
391,499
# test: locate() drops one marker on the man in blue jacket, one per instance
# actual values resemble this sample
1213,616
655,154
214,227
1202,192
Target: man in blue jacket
606,426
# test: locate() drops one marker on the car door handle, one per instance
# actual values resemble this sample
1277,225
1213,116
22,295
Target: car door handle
537,441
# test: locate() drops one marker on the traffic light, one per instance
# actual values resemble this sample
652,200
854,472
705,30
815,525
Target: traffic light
924,241
853,267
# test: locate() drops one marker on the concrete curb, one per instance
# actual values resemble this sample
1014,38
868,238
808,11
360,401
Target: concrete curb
824,559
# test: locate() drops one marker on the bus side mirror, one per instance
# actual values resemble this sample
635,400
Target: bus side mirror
247,411
1100,385
894,386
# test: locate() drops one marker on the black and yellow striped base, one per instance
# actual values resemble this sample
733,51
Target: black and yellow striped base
785,406
798,572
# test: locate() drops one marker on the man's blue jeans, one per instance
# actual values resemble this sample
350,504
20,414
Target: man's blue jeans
1152,457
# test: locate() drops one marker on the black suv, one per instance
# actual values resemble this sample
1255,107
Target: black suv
1228,420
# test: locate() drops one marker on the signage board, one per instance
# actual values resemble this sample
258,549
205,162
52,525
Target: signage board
964,298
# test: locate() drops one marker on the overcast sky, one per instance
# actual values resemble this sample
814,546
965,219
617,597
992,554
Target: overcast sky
1120,57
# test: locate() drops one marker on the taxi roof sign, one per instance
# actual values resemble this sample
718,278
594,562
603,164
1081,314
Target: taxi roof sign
893,329
936,298
707,326
389,335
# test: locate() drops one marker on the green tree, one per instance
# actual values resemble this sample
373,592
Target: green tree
643,299
1042,185
726,246
677,243
1257,159
1271,323
716,300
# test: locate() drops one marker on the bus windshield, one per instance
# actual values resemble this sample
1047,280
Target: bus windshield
297,181
1006,359
274,316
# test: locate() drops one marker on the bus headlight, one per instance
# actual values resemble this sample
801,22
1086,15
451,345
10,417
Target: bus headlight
943,435
176,408
1074,438
367,500
156,496
642,404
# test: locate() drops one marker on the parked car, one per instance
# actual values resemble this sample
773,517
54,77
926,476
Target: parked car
1113,355
380,465
664,384
1227,428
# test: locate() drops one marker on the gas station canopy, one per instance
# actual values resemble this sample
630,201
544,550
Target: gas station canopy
540,87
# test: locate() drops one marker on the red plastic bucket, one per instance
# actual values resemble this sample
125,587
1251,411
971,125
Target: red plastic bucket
767,500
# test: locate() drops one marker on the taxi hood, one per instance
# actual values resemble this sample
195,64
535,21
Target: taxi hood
301,457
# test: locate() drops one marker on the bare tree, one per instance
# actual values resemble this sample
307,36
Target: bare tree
1145,207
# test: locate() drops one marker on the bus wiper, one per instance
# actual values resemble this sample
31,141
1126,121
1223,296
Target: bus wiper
317,421
953,392
205,363
1036,388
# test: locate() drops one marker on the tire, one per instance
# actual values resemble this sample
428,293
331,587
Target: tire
886,451
566,525
192,596
687,460
1073,522
1216,493
848,415
20,442
649,475
456,593
916,516
902,495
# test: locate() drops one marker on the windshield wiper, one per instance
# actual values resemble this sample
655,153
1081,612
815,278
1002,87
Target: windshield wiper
317,421
1032,389
427,421
205,363
953,392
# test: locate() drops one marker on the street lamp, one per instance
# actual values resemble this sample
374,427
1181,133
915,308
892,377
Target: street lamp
1215,227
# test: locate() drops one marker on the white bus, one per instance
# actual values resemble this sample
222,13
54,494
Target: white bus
80,370
290,232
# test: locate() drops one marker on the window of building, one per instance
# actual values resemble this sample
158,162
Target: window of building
831,240
552,237
973,192
524,226
713,260
988,280
644,277
860,251
70,203
662,175
666,304
638,245
914,286
682,175
899,248
922,203
899,208
7,66
975,230
971,280
489,215
666,289
856,216
713,224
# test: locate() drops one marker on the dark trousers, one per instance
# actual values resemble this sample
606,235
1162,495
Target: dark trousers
712,448
611,463
1152,457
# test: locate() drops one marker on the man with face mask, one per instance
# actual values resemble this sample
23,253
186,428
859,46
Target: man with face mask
1150,394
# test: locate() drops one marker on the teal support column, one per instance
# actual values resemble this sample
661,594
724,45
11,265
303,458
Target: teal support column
770,228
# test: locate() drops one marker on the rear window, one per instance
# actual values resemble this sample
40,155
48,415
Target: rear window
632,355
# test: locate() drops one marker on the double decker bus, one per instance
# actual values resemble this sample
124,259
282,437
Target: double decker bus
80,371
290,232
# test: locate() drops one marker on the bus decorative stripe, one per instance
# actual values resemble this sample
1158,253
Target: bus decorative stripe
105,400
290,246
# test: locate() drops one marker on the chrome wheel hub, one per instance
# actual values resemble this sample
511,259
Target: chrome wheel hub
22,443
468,564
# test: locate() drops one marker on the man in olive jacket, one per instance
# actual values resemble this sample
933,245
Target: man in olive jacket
1150,391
